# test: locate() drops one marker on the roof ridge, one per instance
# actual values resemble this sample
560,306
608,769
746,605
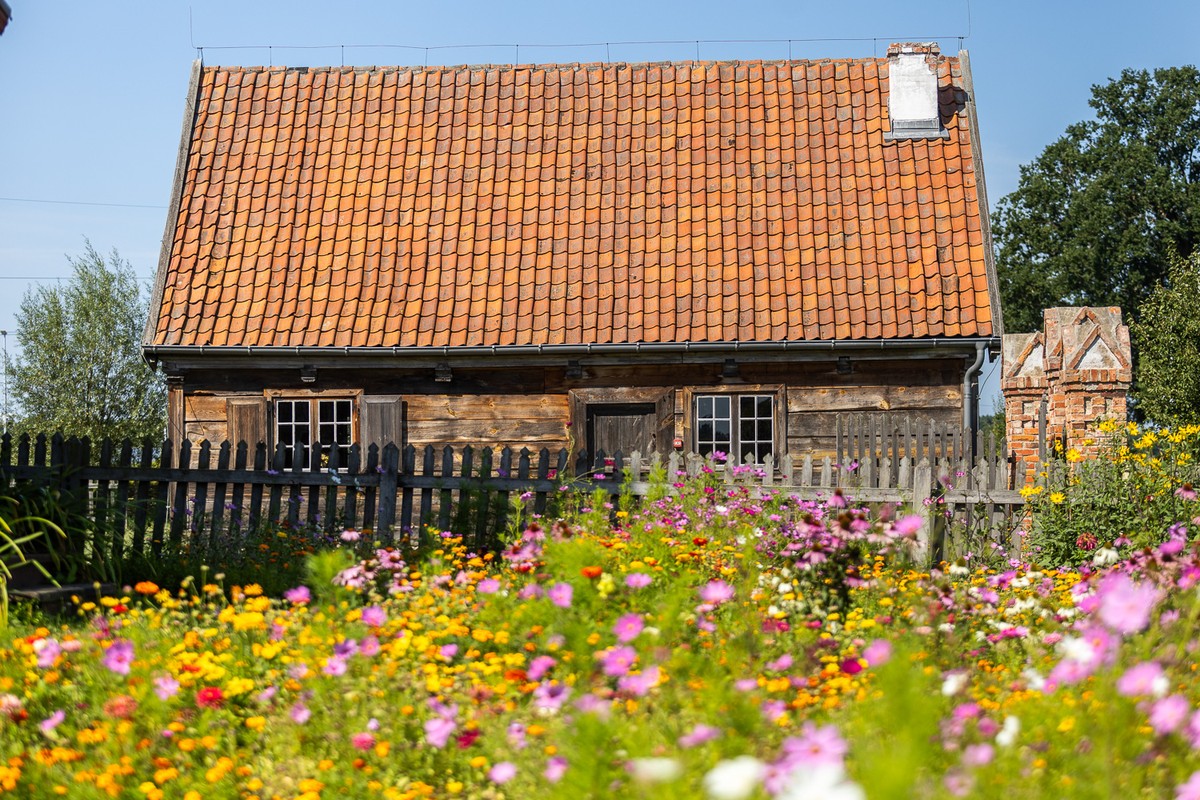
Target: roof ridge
577,65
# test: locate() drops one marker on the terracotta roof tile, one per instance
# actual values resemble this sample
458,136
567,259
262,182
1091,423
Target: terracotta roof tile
570,204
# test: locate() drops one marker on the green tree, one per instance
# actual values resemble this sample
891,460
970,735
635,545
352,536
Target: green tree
1167,336
80,369
1094,216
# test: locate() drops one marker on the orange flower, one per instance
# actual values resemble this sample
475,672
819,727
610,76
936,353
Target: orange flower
146,587
591,573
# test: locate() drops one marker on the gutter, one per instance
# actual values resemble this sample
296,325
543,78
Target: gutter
860,347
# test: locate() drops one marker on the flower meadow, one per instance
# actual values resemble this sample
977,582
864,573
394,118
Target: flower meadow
708,642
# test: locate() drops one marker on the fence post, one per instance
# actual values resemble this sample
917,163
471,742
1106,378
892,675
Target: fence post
922,498
389,483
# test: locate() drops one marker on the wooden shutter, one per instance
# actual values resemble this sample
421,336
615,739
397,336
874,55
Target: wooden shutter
381,420
247,417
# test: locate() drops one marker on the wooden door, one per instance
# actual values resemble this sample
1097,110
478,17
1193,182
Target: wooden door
621,426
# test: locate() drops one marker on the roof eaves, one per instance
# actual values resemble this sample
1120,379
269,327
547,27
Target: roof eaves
168,240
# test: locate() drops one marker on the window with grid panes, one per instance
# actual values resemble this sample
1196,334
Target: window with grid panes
309,420
738,425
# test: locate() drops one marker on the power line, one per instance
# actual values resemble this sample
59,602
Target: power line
78,203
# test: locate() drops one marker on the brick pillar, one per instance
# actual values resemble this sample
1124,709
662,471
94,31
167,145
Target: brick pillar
1079,365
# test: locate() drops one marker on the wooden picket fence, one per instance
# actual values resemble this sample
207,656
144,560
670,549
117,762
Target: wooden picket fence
148,499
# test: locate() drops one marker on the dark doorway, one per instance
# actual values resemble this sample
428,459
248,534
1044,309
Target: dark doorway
620,426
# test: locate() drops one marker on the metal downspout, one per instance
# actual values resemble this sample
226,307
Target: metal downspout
971,390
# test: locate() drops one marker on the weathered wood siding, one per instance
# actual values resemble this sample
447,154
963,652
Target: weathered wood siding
528,406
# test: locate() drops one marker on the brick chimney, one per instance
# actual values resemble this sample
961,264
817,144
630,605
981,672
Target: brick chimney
913,91
1079,365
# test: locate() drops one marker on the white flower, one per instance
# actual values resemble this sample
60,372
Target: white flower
1008,732
1105,556
1076,649
823,782
1034,679
655,770
734,779
953,683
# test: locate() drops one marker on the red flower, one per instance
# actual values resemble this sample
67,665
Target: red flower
467,738
851,666
699,541
210,697
591,573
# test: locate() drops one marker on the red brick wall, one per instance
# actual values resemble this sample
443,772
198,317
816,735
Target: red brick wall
1080,365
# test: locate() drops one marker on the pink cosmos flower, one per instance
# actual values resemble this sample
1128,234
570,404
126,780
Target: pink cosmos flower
363,741
560,594
298,596
716,592
618,660
815,746
1146,678
488,586
550,696
1125,606
48,650
438,731
637,580
539,667
335,666
639,685
165,687
502,772
699,735
978,755
119,656
374,616
556,767
877,652
1189,790
53,721
628,627
300,713
907,526
1169,714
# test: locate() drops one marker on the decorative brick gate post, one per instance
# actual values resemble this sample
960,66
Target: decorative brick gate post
1079,366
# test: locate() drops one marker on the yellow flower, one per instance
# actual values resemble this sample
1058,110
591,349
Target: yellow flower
1057,497
1074,455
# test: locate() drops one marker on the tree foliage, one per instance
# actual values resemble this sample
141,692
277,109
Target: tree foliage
80,370
1167,336
1094,216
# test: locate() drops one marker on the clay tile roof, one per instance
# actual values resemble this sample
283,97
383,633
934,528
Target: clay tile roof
572,204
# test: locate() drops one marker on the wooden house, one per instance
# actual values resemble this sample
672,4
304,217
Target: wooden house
702,255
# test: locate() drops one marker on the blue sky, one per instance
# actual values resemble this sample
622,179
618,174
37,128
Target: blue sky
92,93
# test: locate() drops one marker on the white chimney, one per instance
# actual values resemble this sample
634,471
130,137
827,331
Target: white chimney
913,92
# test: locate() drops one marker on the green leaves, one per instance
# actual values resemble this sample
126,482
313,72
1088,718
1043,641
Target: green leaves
1096,214
1167,336
80,370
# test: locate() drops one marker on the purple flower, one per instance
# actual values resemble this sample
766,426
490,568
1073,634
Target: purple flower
335,666
550,696
448,651
502,772
165,687
119,656
618,660
716,592
298,596
369,647
345,648
628,627
560,594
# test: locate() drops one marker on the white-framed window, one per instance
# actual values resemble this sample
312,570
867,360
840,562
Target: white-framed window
738,425
305,421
